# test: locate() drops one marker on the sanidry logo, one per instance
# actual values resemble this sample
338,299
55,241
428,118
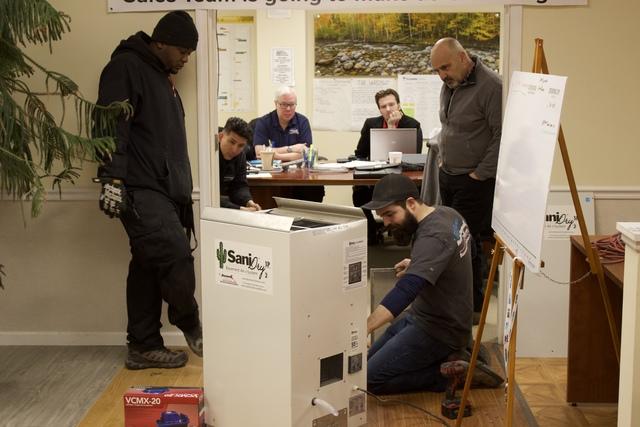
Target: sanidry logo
252,262
563,220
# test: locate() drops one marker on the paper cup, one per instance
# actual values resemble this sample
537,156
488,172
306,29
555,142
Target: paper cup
395,157
267,160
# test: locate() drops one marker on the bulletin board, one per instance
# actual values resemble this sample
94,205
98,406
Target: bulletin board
236,61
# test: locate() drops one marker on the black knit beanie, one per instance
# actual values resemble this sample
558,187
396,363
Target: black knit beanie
176,29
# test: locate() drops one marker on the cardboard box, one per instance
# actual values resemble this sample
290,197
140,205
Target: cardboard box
164,407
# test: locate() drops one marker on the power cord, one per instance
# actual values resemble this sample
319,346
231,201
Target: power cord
610,250
572,282
402,402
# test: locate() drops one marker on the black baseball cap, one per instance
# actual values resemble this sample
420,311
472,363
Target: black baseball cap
392,188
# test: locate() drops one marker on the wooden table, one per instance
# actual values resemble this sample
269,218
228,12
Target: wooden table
592,367
279,185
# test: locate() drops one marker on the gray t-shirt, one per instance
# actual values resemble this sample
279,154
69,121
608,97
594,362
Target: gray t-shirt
441,254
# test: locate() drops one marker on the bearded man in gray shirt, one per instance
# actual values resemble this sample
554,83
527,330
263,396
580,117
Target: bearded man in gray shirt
436,280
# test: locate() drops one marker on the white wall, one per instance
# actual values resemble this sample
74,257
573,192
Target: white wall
596,47
66,273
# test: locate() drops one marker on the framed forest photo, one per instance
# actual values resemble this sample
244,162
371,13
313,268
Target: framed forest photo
388,44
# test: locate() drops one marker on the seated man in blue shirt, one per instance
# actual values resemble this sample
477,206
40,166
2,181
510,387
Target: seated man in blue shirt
391,116
289,134
437,282
234,189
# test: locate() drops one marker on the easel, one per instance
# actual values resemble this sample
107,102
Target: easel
539,66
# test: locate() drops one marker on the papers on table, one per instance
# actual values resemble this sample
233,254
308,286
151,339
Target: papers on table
349,165
344,167
259,175
362,163
258,163
330,167
318,168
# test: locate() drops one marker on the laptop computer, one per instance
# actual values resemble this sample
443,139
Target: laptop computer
385,140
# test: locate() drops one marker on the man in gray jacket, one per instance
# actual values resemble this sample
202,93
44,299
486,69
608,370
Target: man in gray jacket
471,118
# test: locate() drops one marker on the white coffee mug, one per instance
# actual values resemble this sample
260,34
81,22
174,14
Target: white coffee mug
395,157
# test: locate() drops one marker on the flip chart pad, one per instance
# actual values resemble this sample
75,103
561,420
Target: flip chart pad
529,138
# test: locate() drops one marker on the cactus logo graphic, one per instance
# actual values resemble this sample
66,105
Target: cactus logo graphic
221,255
243,266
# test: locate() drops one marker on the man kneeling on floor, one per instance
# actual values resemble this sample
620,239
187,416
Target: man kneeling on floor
437,281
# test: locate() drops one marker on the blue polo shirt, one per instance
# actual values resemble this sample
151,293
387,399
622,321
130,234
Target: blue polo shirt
298,131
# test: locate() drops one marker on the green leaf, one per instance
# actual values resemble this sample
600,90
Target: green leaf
34,145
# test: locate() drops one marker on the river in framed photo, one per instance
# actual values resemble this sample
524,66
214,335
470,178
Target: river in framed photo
389,44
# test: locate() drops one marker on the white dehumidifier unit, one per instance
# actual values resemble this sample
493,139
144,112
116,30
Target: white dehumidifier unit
284,308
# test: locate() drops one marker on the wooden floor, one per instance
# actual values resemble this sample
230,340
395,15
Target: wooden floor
108,410
489,404
83,386
53,385
544,384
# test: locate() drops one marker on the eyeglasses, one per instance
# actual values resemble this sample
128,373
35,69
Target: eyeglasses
286,105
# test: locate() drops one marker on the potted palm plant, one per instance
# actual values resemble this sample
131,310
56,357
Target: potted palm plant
36,148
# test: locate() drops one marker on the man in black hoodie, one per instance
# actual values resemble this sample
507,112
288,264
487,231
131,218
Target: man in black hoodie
147,184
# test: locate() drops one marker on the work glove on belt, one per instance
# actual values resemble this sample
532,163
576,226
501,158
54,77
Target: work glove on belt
114,200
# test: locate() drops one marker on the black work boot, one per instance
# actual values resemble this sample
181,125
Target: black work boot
159,358
194,340
483,376
465,354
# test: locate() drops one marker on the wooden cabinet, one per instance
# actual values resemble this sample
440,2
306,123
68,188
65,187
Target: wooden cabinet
592,368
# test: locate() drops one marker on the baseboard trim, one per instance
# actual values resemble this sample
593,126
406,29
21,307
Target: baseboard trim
173,339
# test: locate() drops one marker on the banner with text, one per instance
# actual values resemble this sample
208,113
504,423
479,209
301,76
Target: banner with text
365,5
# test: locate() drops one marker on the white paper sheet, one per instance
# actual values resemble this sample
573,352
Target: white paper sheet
529,139
235,92
420,99
282,66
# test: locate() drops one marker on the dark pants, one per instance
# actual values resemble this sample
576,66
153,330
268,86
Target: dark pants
161,268
362,194
406,359
473,199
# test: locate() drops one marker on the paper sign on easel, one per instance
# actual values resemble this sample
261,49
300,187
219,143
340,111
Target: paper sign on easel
529,138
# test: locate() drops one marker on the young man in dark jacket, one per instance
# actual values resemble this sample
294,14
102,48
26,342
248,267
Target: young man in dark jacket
234,189
147,184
